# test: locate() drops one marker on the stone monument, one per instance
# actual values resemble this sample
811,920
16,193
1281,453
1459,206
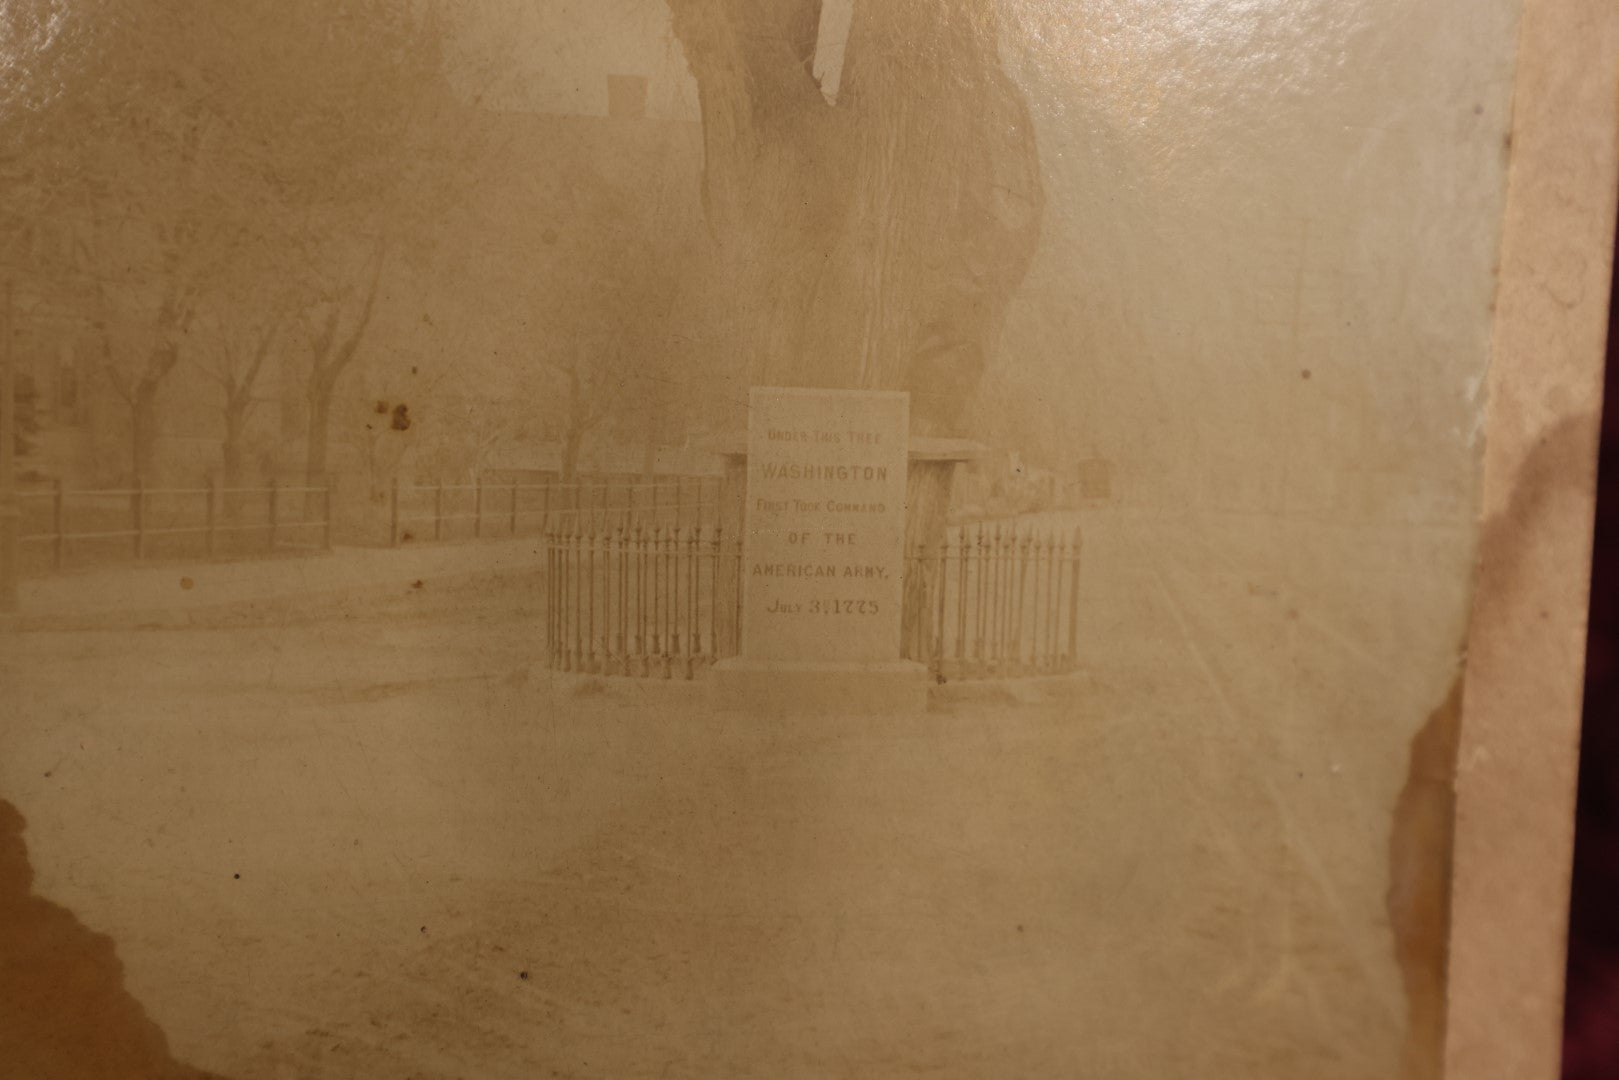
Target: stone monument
823,557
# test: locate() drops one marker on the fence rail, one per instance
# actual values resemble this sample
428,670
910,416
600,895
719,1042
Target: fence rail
69,522
985,602
486,509
62,525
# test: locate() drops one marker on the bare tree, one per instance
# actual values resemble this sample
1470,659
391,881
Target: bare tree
243,347
301,137
376,149
343,316
149,206
873,238
602,317
594,379
874,242
146,323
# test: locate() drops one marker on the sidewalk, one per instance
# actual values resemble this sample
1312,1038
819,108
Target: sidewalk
176,592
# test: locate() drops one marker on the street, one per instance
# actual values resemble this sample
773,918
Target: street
380,840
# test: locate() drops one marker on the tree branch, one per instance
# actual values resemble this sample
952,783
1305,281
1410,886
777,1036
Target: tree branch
252,374
120,385
351,345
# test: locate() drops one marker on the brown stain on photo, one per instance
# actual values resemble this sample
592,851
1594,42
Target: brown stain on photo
1423,838
1420,881
64,1011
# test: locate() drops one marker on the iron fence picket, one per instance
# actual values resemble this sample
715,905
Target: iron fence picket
642,600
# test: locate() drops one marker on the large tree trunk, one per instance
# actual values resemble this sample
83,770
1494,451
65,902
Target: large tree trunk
877,242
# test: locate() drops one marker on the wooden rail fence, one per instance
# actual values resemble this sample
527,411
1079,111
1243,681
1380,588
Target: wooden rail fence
171,521
483,509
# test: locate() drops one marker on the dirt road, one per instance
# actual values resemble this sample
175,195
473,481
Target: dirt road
380,841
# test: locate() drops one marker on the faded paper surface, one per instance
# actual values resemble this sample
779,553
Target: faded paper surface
378,697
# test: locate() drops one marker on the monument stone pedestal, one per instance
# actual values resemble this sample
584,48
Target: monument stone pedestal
822,558
781,687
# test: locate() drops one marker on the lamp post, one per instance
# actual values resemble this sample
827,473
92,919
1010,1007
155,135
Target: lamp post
9,515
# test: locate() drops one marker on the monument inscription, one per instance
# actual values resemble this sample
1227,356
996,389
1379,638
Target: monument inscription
824,538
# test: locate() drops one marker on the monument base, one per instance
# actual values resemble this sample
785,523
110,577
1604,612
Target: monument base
896,687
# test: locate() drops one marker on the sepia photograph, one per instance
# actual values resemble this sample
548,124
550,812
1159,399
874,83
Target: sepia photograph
741,538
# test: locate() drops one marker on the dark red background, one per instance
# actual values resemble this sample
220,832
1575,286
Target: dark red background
1591,1026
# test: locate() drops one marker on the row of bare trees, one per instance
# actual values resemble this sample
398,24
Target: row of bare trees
240,189
222,187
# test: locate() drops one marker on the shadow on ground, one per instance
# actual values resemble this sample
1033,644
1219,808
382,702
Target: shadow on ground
64,1012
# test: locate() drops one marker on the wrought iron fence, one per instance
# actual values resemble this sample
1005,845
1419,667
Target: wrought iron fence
994,601
637,601
985,602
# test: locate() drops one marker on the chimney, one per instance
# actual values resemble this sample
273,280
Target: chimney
626,97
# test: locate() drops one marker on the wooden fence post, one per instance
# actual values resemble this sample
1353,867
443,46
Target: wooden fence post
57,518
393,515
438,509
209,515
137,509
477,507
275,511
514,507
